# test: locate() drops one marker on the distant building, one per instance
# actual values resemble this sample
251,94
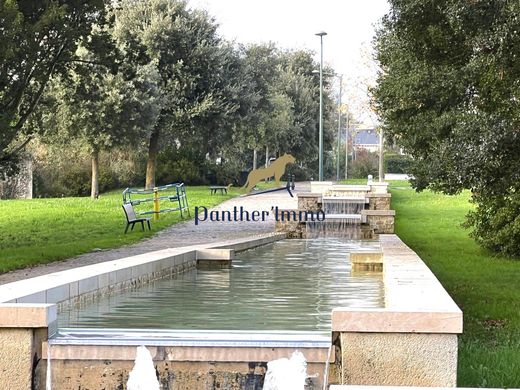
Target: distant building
367,139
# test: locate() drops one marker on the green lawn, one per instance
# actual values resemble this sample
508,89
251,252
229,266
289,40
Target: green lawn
486,287
39,231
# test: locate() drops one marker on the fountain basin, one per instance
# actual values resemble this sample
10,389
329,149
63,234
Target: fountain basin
417,328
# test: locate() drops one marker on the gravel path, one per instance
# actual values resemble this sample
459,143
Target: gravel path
181,234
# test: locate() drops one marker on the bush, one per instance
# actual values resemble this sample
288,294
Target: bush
496,222
366,163
76,181
300,173
183,171
107,180
397,163
58,173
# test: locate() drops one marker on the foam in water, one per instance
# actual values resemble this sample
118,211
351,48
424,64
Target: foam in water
142,376
286,374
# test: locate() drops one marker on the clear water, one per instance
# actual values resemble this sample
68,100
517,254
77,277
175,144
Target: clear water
287,285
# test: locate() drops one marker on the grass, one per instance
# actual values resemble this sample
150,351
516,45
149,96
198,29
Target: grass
38,231
485,286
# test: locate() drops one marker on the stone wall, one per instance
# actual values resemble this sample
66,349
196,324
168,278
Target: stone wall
381,221
19,186
292,229
402,359
412,341
309,201
23,328
379,201
175,371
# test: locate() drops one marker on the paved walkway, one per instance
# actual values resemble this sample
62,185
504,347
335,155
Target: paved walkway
181,234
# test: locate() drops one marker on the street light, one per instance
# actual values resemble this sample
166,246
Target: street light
339,124
346,145
320,171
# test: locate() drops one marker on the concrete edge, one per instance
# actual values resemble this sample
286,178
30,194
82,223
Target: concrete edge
415,301
27,315
378,212
184,353
361,387
66,285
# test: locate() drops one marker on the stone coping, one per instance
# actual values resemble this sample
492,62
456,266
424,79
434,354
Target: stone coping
187,354
333,197
350,187
370,257
27,315
378,195
187,345
361,387
389,321
415,301
70,284
378,212
309,195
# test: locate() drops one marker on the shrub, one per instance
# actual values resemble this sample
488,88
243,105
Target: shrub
76,181
397,163
183,170
495,222
366,163
107,180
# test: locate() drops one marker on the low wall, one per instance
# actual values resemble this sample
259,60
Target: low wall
347,387
23,328
379,201
28,308
309,201
183,359
410,342
381,221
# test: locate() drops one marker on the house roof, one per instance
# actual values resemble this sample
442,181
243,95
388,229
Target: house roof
366,137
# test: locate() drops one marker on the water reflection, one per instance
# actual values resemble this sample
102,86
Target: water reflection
287,285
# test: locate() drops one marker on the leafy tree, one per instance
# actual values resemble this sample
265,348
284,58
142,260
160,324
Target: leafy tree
101,108
283,105
37,40
259,69
448,93
183,43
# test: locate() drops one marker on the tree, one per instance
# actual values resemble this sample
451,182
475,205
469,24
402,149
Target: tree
37,40
183,43
101,108
283,109
448,93
259,70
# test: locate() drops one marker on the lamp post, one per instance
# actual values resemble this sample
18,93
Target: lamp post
346,146
320,159
339,125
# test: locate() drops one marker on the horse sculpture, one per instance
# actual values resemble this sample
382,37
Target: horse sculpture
276,169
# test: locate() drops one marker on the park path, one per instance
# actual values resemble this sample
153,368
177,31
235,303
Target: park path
181,234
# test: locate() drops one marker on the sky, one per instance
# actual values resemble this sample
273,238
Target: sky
350,26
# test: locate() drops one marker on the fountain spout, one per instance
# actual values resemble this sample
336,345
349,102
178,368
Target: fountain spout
143,376
286,374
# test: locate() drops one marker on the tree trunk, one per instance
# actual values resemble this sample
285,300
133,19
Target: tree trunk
151,165
94,188
254,158
266,156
